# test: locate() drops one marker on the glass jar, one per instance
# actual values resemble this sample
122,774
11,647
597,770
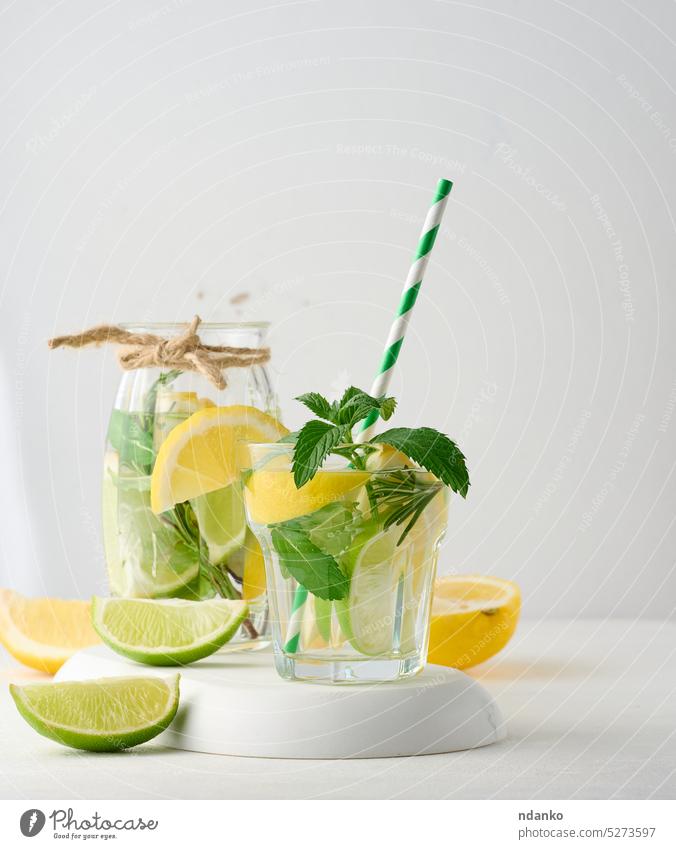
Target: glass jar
200,548
349,576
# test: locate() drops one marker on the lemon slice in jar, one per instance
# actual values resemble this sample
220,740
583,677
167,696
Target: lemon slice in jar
198,455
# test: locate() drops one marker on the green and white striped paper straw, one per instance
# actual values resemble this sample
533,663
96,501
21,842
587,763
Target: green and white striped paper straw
295,620
407,302
392,348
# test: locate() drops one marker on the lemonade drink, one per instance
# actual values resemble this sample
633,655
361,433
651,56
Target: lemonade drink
350,594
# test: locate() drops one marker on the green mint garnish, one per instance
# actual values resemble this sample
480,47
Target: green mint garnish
331,433
313,568
433,451
398,496
316,440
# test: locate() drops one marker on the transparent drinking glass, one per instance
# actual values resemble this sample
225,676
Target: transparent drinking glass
349,591
201,548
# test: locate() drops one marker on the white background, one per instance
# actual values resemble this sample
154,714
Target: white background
161,158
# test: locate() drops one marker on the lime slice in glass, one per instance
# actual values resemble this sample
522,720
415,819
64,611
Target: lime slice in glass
367,615
147,556
166,632
323,613
220,516
103,715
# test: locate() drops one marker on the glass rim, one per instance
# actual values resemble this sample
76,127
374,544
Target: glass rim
204,325
286,445
285,448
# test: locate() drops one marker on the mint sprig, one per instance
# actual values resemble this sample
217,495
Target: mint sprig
331,433
317,439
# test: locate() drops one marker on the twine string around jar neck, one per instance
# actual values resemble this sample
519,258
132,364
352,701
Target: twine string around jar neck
185,351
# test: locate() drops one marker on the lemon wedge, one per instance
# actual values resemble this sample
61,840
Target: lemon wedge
44,632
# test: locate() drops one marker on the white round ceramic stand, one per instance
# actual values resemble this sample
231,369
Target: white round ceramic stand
234,703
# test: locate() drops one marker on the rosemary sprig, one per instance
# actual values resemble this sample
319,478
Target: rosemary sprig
401,496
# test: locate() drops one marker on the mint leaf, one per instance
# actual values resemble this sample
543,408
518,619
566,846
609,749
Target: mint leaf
312,568
355,405
318,405
314,444
133,443
387,408
350,393
330,528
433,451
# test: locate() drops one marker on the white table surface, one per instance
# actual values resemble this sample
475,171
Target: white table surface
590,708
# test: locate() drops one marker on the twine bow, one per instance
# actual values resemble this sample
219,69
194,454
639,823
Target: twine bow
185,351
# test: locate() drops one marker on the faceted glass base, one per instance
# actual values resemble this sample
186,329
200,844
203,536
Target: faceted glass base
359,670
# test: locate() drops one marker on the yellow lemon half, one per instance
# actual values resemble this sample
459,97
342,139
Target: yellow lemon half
473,617
44,632
198,455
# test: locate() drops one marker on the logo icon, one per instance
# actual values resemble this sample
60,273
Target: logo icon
31,822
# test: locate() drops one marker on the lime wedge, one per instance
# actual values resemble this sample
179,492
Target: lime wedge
166,632
367,615
220,516
103,715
